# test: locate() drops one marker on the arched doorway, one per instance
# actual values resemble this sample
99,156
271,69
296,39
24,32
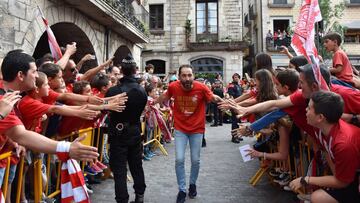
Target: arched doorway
67,33
207,67
120,54
160,67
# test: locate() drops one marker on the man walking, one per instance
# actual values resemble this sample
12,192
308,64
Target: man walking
190,98
125,135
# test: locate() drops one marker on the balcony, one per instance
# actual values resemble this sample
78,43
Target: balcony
218,46
252,12
247,22
116,15
141,13
275,44
352,3
281,3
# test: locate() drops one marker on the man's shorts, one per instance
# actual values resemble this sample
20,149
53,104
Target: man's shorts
350,194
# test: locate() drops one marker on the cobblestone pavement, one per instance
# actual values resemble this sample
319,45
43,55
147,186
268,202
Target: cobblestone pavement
223,176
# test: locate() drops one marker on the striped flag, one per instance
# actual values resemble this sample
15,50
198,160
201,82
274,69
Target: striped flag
303,41
2,199
53,44
72,180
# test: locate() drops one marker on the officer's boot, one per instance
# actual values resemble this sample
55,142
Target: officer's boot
138,199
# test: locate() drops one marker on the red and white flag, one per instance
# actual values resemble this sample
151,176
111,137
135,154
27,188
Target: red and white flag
2,199
73,188
303,41
53,44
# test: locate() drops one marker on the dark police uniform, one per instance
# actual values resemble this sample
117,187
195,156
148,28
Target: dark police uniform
125,138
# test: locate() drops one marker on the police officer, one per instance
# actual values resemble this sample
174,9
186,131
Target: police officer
125,135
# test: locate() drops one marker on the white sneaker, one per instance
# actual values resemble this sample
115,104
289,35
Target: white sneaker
287,188
304,197
88,190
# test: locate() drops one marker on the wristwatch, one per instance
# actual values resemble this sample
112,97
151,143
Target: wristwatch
355,120
303,181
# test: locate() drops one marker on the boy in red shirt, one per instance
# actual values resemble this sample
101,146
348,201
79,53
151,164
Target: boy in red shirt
32,109
342,68
342,143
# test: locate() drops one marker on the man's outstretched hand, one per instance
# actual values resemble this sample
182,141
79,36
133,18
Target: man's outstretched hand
82,152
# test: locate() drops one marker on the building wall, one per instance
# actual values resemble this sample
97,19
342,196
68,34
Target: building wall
21,27
170,46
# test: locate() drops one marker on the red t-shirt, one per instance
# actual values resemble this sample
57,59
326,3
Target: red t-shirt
69,88
51,98
10,121
32,111
189,106
350,96
340,58
344,142
70,124
298,112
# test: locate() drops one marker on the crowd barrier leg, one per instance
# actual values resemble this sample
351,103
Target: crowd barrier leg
57,191
156,141
7,156
301,159
37,180
48,169
20,180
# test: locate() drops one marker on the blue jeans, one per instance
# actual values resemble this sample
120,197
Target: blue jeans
181,140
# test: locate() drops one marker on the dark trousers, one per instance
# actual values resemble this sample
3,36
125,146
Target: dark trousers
234,121
218,116
121,153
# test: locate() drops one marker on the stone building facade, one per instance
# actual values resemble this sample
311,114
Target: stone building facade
283,14
100,27
212,40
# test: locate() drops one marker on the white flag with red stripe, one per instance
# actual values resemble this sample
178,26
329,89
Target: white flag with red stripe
2,199
72,180
53,44
303,41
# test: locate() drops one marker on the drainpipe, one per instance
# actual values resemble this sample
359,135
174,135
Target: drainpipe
107,44
171,41
262,28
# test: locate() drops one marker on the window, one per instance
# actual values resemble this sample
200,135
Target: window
355,1
352,36
206,20
280,1
156,17
159,67
207,65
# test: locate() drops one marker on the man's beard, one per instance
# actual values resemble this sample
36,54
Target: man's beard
187,84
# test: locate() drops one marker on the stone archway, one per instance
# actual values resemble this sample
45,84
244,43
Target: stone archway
120,54
62,15
67,33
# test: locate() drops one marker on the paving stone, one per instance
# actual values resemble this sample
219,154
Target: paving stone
223,177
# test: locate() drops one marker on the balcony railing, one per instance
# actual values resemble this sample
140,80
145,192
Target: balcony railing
127,10
141,13
217,46
281,3
275,44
